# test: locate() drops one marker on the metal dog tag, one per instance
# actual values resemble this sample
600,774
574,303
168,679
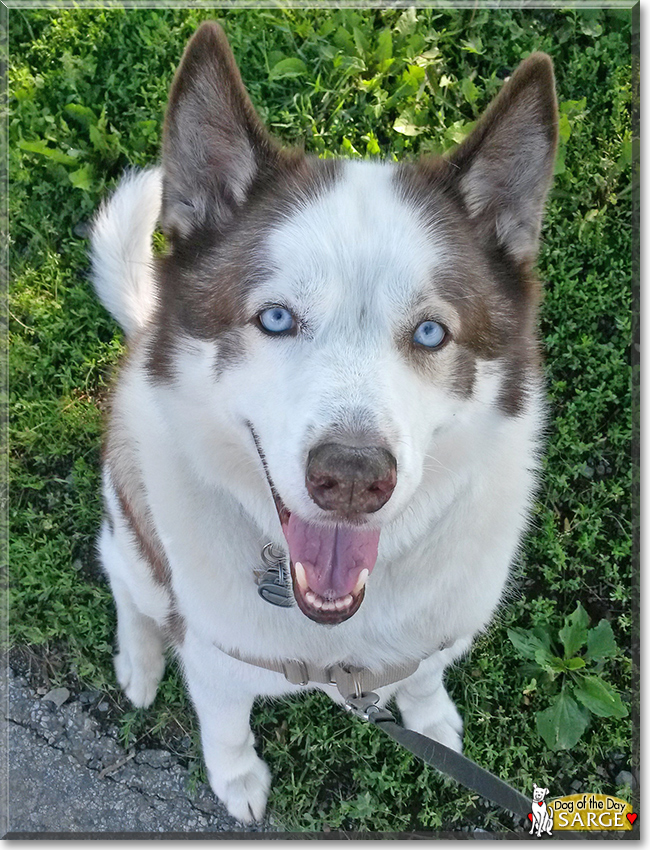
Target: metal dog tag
274,586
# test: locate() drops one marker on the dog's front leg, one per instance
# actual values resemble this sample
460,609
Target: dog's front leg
425,705
223,704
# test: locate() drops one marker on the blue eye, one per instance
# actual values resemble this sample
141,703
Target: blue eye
430,334
276,320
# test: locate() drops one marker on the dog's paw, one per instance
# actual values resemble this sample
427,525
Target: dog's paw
447,730
436,717
139,675
245,794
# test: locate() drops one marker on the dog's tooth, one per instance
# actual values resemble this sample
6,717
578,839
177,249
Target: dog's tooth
310,596
361,581
341,603
329,606
317,602
348,600
301,578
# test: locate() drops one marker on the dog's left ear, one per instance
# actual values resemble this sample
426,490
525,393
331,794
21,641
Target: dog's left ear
505,165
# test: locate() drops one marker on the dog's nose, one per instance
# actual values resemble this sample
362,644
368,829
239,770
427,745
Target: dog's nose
350,480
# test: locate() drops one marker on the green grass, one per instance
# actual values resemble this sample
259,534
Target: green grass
87,93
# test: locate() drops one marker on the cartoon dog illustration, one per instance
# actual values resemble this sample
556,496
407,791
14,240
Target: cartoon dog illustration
542,814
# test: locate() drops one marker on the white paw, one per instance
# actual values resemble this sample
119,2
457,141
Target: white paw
436,717
446,730
139,676
244,795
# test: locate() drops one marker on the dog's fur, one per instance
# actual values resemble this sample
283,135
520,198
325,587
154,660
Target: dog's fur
210,411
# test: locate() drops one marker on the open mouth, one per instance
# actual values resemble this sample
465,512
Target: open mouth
330,564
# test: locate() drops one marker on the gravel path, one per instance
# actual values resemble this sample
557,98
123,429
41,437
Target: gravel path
67,773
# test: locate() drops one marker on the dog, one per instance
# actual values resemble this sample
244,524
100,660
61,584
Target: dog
542,814
332,400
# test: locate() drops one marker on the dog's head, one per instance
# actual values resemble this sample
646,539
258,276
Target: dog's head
346,313
539,793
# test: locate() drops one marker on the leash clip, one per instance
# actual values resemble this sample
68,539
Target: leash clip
363,705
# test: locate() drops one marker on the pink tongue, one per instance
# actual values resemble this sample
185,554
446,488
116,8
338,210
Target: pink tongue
332,557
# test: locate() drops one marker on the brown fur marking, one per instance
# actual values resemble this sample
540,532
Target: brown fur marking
145,538
206,279
486,200
175,627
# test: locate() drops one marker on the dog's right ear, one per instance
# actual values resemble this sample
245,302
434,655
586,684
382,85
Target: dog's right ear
214,144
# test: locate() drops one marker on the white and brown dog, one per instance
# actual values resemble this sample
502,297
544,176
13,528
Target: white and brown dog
339,359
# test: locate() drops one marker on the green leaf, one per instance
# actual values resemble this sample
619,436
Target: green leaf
574,632
348,148
591,27
573,108
82,178
549,662
384,49
601,642
576,663
563,724
404,124
528,645
41,147
457,131
599,697
473,45
625,158
83,114
564,128
469,90
344,41
361,41
407,22
292,66
372,146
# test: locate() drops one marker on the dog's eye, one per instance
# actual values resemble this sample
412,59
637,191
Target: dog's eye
276,320
430,334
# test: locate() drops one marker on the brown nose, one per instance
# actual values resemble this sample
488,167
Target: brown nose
350,480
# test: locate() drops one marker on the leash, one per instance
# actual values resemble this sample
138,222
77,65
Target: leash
356,686
447,761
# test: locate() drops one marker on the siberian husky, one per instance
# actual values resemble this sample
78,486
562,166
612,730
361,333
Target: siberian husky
335,358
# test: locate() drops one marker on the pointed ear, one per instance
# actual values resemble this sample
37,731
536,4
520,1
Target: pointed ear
214,144
505,166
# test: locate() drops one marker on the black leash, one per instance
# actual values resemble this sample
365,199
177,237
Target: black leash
444,759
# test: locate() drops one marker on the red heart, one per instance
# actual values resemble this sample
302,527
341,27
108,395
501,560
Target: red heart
530,817
630,816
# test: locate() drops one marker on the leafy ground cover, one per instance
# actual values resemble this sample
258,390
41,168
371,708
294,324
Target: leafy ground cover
87,89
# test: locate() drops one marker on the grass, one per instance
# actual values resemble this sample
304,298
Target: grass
87,92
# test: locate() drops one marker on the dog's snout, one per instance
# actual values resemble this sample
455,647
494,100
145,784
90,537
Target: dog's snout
350,480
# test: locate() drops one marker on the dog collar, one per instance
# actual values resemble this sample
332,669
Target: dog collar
348,678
